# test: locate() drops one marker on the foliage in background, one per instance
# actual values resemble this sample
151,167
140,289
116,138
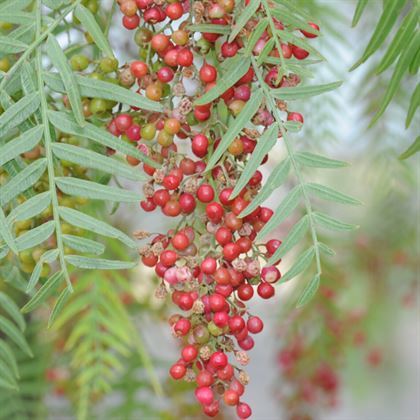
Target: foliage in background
402,54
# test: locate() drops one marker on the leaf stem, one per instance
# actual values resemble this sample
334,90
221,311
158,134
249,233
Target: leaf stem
48,150
289,148
273,30
40,36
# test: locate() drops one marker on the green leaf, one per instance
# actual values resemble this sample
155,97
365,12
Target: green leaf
18,112
30,208
44,292
59,305
413,149
98,264
46,257
91,25
391,11
400,69
35,236
361,4
293,237
255,36
11,46
236,127
303,92
210,28
14,5
244,17
26,141
87,246
309,291
283,211
65,122
294,20
18,18
93,88
415,63
84,221
264,145
94,191
222,112
331,194
234,69
7,379
9,306
331,223
326,249
401,39
9,329
89,159
302,263
7,355
268,47
414,104
6,234
293,126
60,62
22,181
276,178
318,161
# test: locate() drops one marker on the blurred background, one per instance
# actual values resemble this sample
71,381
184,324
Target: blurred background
353,352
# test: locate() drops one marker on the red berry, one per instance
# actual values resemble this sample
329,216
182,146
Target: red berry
182,326
189,353
217,302
172,208
229,49
243,411
187,202
208,73
265,290
223,236
204,378
139,69
131,22
174,11
218,360
148,205
254,324
177,371
161,197
123,122
299,53
295,116
230,397
272,246
236,323
231,251
308,34
208,265
204,395
245,291
205,193
168,258
185,57
180,241
200,144
270,274
214,212
165,74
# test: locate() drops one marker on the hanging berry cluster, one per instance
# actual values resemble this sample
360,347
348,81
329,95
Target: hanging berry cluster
210,262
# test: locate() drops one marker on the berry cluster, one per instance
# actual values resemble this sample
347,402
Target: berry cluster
210,262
